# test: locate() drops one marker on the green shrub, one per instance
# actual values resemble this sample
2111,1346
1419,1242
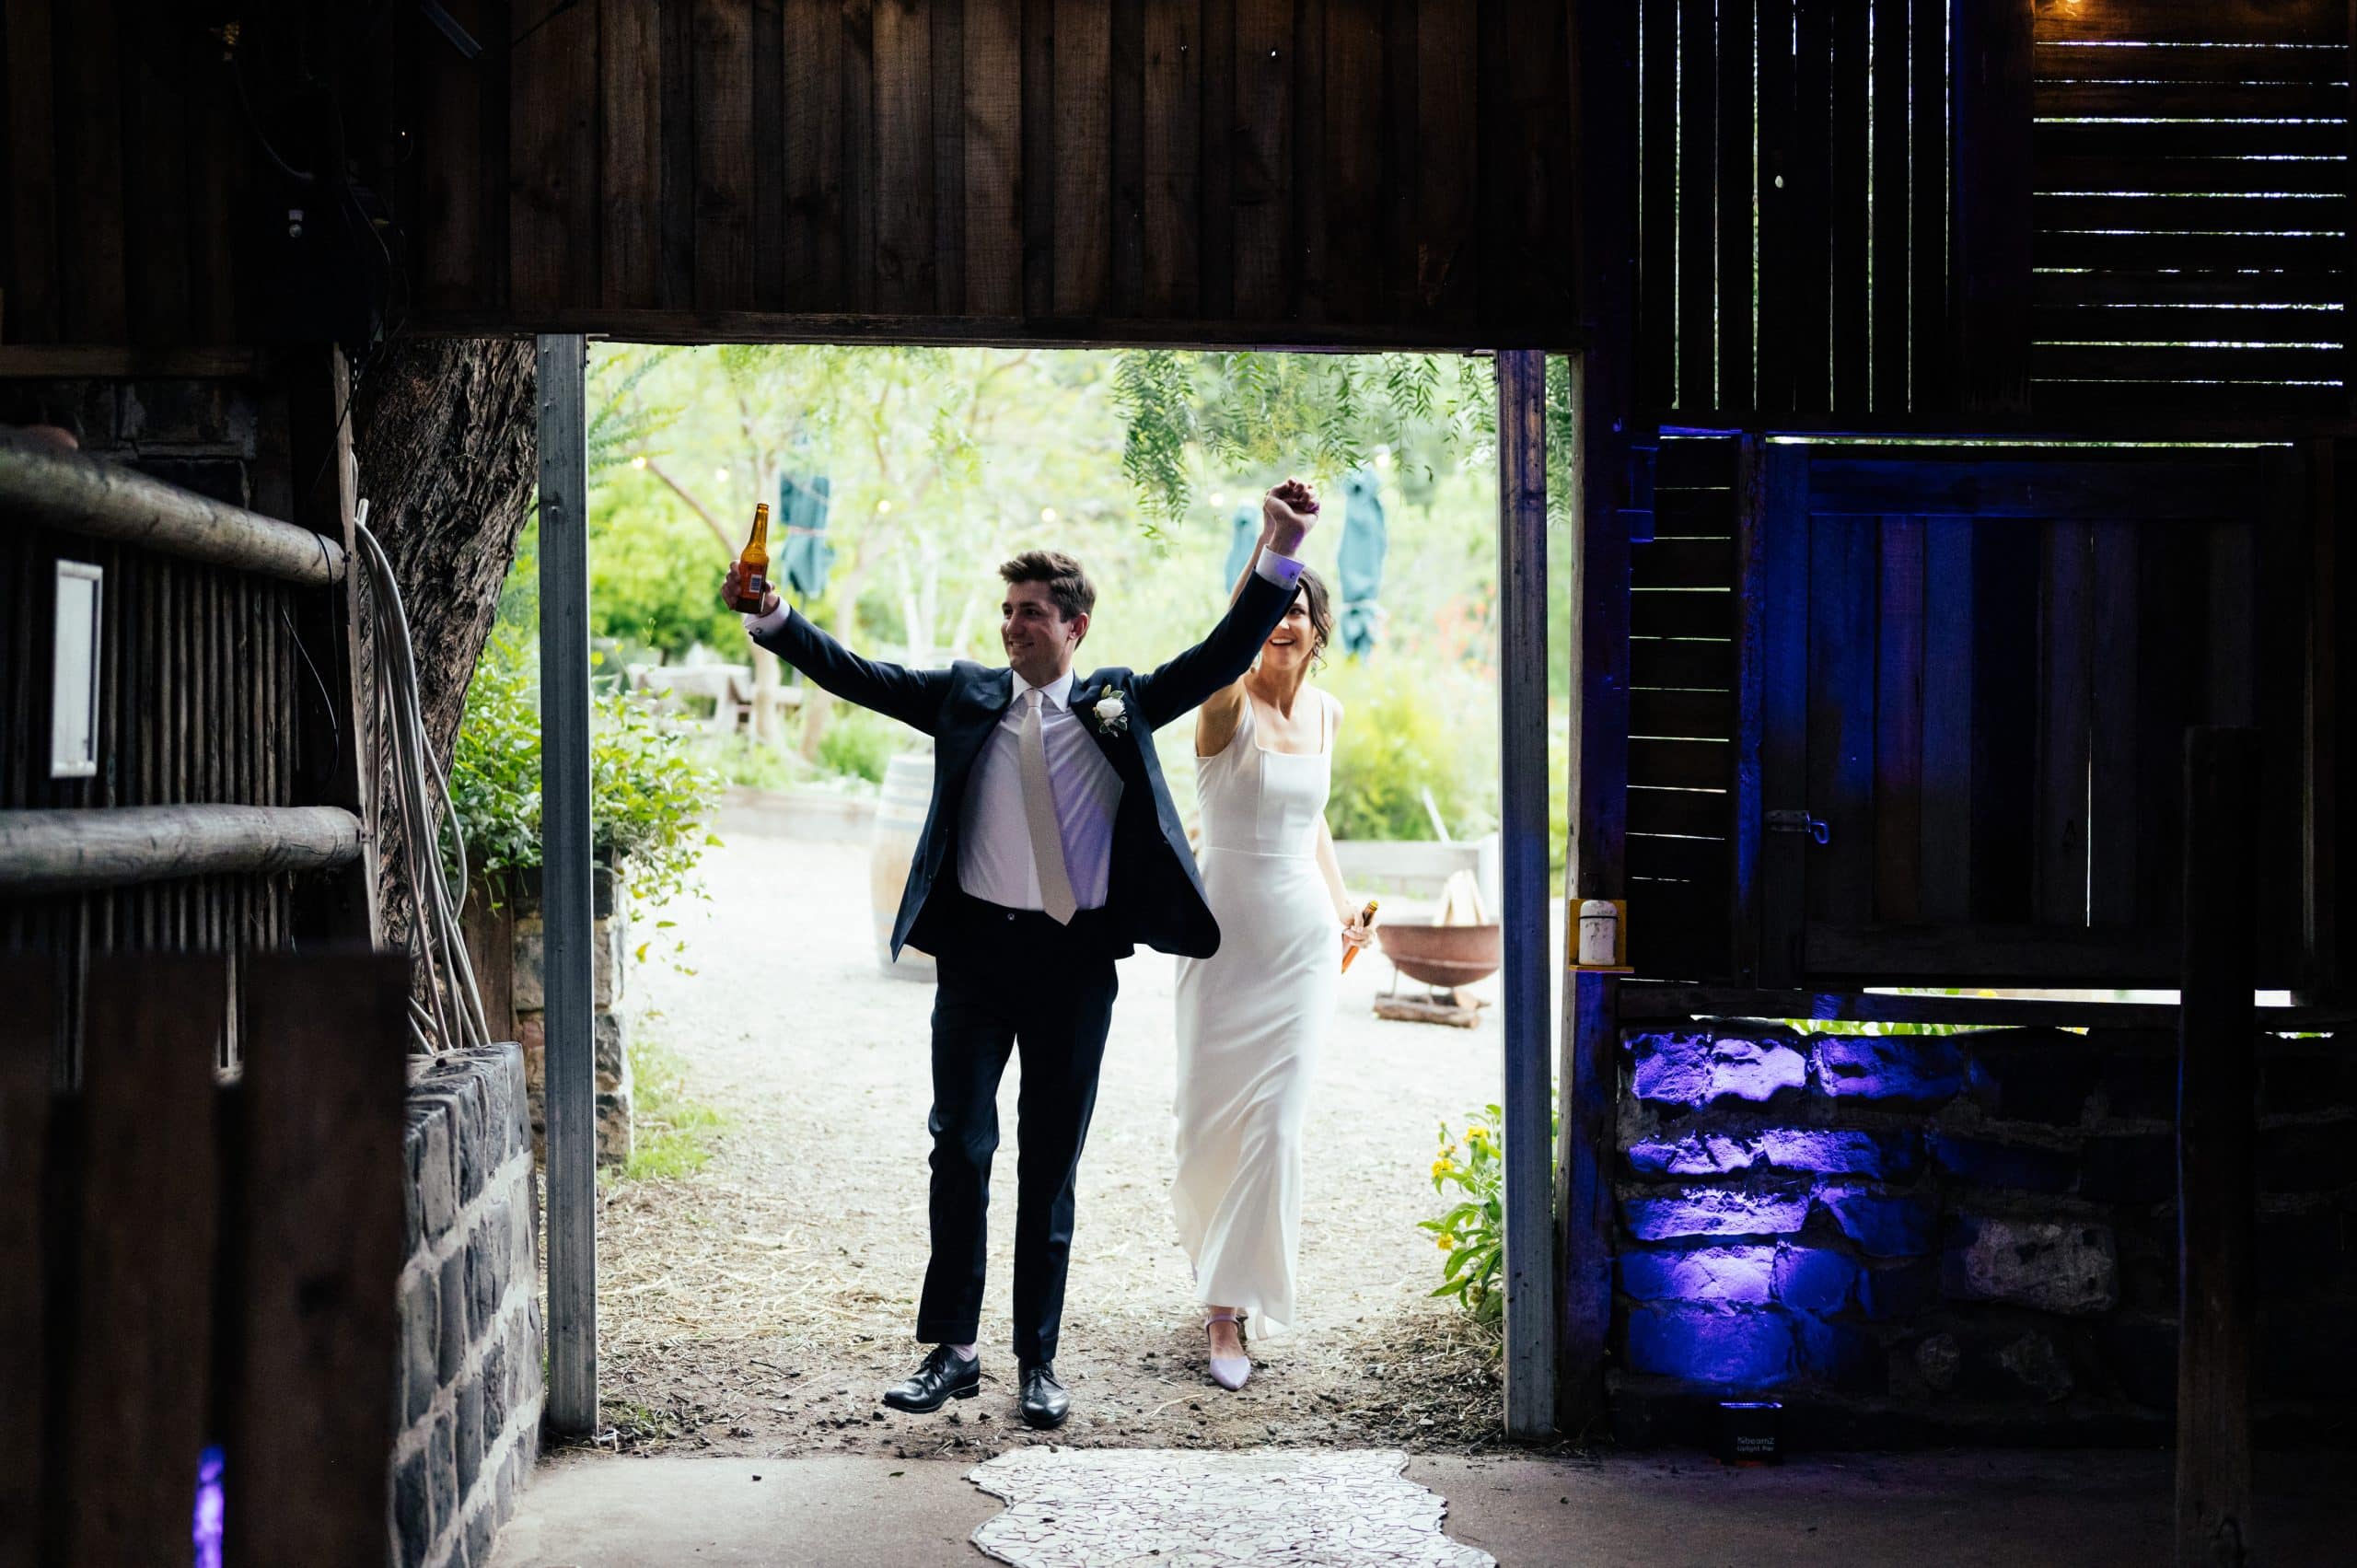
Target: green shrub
648,800
1471,1233
858,743
1409,726
654,571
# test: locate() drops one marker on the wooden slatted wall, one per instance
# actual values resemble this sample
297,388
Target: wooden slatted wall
1289,171
1323,170
1984,696
125,154
2192,207
1682,715
200,676
1794,207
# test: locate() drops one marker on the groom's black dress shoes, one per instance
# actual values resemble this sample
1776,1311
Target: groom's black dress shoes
1045,1404
945,1376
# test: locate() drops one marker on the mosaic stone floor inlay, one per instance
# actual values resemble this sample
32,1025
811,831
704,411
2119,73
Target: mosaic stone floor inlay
1168,1508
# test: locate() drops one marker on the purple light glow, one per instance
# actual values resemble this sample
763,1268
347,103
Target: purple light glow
1715,1211
1836,1151
1697,1153
1883,1225
1694,1069
212,1507
1919,1068
1812,1280
1733,1275
1732,1347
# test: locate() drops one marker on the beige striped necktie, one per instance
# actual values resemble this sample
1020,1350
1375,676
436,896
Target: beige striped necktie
1040,812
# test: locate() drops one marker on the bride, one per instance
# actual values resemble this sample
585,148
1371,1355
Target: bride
1252,1017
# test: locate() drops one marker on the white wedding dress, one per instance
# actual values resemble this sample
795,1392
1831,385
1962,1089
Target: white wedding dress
1252,1020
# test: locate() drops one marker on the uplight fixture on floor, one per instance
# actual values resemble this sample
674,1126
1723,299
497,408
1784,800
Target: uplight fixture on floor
1751,1431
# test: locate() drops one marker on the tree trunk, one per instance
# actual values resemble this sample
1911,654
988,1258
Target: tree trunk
444,429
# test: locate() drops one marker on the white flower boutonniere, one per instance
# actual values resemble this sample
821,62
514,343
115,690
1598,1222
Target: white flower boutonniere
1112,711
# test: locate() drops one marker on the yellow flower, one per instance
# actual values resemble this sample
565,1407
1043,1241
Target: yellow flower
1447,1242
1442,1165
1477,1134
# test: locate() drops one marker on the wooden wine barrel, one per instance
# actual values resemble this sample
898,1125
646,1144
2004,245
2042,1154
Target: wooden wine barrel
900,818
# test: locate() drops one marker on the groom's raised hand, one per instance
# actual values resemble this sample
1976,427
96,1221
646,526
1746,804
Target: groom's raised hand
1287,514
729,587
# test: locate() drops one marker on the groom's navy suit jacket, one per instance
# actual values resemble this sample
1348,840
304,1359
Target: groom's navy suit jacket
1155,896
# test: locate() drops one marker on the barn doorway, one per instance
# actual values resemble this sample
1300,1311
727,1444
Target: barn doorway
755,1257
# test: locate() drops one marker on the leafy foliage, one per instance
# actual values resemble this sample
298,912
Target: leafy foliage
1472,1232
651,570
1412,726
1324,414
859,744
647,798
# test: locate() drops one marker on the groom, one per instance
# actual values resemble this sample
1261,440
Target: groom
1051,850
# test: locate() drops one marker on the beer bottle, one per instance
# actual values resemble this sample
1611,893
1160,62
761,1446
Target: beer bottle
753,565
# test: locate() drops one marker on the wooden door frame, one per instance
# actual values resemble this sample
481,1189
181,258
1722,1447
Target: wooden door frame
1531,1262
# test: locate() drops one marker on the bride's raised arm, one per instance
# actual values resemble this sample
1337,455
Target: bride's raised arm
1216,720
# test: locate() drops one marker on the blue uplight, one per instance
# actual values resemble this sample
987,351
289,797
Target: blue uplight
211,1507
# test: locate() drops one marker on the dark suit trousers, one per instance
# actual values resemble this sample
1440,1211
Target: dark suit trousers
1011,979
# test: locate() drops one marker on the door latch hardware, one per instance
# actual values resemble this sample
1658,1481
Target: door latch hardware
1799,822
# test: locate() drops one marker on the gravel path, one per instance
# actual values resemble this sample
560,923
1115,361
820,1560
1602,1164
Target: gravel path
758,1306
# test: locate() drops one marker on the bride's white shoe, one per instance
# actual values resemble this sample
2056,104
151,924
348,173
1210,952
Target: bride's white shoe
1229,1372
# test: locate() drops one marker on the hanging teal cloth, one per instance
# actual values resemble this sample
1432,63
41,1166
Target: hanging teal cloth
802,507
1365,540
1243,533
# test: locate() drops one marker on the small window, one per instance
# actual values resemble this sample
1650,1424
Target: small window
74,707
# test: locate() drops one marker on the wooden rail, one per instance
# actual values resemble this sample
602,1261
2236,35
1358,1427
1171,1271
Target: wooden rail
42,484
48,851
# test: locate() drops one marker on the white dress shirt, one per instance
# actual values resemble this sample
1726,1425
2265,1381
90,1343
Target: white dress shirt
994,836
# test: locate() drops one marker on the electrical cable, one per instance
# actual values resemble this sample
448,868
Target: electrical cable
452,1013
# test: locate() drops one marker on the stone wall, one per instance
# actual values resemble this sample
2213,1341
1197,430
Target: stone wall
1956,1238
610,1020
469,1383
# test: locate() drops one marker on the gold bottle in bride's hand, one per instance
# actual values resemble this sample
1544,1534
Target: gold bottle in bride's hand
1367,919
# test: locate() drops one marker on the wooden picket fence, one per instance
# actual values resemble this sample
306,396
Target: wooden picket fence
210,1265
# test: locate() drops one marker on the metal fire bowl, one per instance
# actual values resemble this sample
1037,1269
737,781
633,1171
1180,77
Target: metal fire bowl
1443,954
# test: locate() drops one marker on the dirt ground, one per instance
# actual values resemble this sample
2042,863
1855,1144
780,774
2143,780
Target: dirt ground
758,1306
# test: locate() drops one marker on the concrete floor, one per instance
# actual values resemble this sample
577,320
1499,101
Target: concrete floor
1953,1510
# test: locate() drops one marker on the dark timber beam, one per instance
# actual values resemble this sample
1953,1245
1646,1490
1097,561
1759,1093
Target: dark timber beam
334,755
566,899
2216,1135
1530,957
1603,73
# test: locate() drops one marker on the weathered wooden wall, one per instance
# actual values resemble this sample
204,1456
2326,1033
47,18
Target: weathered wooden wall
217,686
1310,170
1881,213
1301,171
201,696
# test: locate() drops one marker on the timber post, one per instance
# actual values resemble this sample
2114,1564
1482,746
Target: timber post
336,753
565,886
2216,1136
1603,72
1528,957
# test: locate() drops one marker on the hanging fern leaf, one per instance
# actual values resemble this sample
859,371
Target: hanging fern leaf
1150,388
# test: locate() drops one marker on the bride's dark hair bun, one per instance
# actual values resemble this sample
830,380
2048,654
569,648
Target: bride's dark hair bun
1310,589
